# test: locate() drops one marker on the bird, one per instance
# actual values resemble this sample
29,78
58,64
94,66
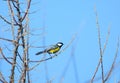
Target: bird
51,50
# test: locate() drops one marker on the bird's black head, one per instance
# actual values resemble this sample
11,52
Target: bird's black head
60,44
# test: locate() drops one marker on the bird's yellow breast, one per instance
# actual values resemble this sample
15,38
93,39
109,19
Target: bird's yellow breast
54,50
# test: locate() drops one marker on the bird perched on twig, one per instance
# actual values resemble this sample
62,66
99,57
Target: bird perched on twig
52,50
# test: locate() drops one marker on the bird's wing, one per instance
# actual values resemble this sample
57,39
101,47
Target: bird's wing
51,47
46,49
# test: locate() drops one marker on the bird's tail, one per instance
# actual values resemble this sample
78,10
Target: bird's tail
41,52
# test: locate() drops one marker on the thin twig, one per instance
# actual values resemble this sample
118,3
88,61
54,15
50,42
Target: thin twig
12,12
27,10
113,64
107,37
13,41
2,79
5,20
100,47
27,29
5,57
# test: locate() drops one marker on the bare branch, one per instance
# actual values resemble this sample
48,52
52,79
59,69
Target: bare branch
2,79
101,52
20,57
18,37
13,41
10,0
12,12
4,57
113,64
27,10
5,20
108,34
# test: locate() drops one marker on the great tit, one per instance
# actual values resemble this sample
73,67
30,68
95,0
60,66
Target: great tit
52,50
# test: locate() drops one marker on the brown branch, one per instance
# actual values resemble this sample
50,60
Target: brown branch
2,79
13,2
5,20
14,58
14,8
107,37
100,47
44,59
20,56
38,62
17,38
113,64
5,57
27,10
23,74
10,0
13,41
95,71
27,30
12,12
22,32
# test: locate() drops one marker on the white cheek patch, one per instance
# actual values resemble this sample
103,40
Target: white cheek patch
59,44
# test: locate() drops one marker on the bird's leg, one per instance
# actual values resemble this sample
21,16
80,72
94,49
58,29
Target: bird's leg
55,54
50,56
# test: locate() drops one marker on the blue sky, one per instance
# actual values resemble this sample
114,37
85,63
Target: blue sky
62,19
